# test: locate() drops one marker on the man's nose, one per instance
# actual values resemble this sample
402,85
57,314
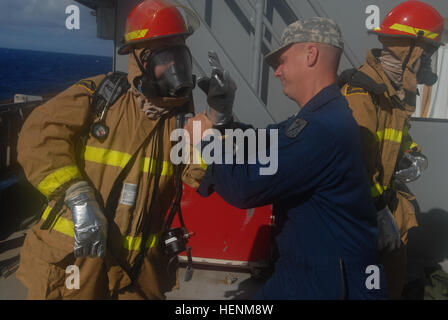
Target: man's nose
277,72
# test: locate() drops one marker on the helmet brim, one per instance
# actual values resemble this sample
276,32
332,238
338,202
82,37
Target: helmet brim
384,34
127,47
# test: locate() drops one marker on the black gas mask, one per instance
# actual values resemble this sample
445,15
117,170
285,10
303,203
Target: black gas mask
427,72
166,72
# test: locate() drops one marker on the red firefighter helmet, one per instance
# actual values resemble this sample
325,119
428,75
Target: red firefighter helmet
412,19
155,19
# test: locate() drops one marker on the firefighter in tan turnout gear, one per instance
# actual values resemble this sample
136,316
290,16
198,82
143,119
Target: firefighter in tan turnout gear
382,95
100,153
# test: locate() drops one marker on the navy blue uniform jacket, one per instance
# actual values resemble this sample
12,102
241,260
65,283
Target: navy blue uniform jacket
321,196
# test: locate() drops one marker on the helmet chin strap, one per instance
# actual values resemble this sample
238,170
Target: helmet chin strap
140,66
411,50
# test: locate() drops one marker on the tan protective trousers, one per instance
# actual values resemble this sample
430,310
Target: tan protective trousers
48,273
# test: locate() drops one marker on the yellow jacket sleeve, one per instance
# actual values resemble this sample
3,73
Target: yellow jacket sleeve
47,139
365,114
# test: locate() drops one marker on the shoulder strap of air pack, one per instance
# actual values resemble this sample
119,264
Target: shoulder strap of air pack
358,79
109,90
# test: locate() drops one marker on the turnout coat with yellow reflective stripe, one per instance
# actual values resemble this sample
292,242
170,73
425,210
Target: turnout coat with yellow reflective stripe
49,155
384,124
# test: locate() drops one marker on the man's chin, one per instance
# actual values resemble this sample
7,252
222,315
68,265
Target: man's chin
287,94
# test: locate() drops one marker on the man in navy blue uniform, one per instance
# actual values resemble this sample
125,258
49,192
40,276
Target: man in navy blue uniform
328,233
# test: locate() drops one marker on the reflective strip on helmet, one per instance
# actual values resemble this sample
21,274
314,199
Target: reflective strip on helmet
134,243
137,34
389,134
120,159
61,225
58,178
414,31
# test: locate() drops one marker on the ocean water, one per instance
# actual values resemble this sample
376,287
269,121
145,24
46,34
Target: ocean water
42,73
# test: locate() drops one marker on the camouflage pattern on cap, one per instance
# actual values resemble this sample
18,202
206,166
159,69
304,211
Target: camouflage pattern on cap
316,29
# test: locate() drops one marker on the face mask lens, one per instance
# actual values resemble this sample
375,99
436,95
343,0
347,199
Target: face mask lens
172,70
165,58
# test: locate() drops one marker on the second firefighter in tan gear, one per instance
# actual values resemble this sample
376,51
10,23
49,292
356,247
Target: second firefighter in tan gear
382,95
130,167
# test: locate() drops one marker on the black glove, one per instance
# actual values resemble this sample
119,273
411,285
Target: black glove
220,89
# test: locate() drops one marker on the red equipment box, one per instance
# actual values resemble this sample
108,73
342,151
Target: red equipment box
225,235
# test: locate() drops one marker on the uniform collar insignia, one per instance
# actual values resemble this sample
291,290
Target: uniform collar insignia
296,127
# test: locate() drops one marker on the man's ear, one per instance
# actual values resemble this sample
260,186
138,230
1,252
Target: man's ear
312,53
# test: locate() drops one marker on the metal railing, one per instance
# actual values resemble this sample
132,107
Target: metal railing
12,116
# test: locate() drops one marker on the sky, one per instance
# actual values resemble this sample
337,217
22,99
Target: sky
41,25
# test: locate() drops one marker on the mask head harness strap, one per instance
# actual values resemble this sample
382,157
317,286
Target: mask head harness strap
140,66
420,35
143,83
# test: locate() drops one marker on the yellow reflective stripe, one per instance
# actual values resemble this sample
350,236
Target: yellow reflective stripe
105,156
411,30
61,225
58,178
390,134
86,87
67,227
134,243
149,165
120,159
378,190
46,213
409,145
197,156
136,34
203,164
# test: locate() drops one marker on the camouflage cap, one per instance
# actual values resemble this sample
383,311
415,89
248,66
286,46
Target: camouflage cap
315,29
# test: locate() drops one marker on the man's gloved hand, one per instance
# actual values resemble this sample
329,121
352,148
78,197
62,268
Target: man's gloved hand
220,89
411,166
90,222
388,234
